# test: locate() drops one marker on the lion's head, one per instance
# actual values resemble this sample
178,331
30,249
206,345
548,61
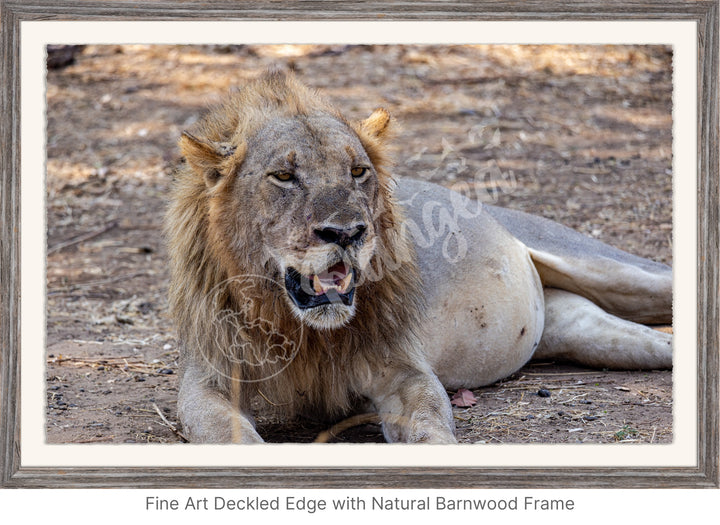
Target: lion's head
289,264
294,193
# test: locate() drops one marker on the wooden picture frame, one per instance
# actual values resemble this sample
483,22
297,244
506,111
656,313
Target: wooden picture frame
705,13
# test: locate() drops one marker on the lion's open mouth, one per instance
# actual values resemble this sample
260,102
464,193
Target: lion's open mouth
336,284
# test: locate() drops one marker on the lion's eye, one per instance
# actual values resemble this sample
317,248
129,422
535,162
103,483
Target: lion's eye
358,171
283,176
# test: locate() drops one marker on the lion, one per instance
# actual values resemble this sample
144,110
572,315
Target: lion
303,272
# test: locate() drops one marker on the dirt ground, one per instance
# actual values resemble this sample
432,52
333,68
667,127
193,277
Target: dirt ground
577,134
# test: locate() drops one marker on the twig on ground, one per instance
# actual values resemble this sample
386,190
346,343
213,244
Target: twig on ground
90,284
97,440
82,238
170,425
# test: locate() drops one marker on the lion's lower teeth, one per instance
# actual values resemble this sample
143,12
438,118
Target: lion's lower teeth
340,286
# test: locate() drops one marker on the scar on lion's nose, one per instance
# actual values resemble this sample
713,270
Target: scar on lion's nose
342,236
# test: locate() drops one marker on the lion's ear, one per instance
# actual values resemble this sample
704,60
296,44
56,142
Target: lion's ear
205,156
377,124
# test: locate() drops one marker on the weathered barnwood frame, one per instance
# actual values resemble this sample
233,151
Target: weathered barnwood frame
703,12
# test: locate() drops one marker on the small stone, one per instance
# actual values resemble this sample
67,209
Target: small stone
543,392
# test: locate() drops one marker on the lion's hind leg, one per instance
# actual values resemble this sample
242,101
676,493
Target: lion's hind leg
578,330
623,284
642,294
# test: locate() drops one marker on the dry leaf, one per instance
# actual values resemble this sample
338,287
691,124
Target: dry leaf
463,398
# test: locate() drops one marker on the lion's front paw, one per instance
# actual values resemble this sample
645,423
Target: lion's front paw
434,438
419,432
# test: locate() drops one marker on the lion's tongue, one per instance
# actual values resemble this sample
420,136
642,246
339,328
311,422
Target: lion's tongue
337,276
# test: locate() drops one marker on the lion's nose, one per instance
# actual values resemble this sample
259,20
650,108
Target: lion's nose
342,236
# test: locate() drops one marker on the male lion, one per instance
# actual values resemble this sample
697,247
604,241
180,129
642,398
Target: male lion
303,273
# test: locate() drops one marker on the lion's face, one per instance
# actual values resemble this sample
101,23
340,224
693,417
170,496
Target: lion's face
307,193
294,194
316,191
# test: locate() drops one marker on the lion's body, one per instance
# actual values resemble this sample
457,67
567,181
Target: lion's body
301,272
487,291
